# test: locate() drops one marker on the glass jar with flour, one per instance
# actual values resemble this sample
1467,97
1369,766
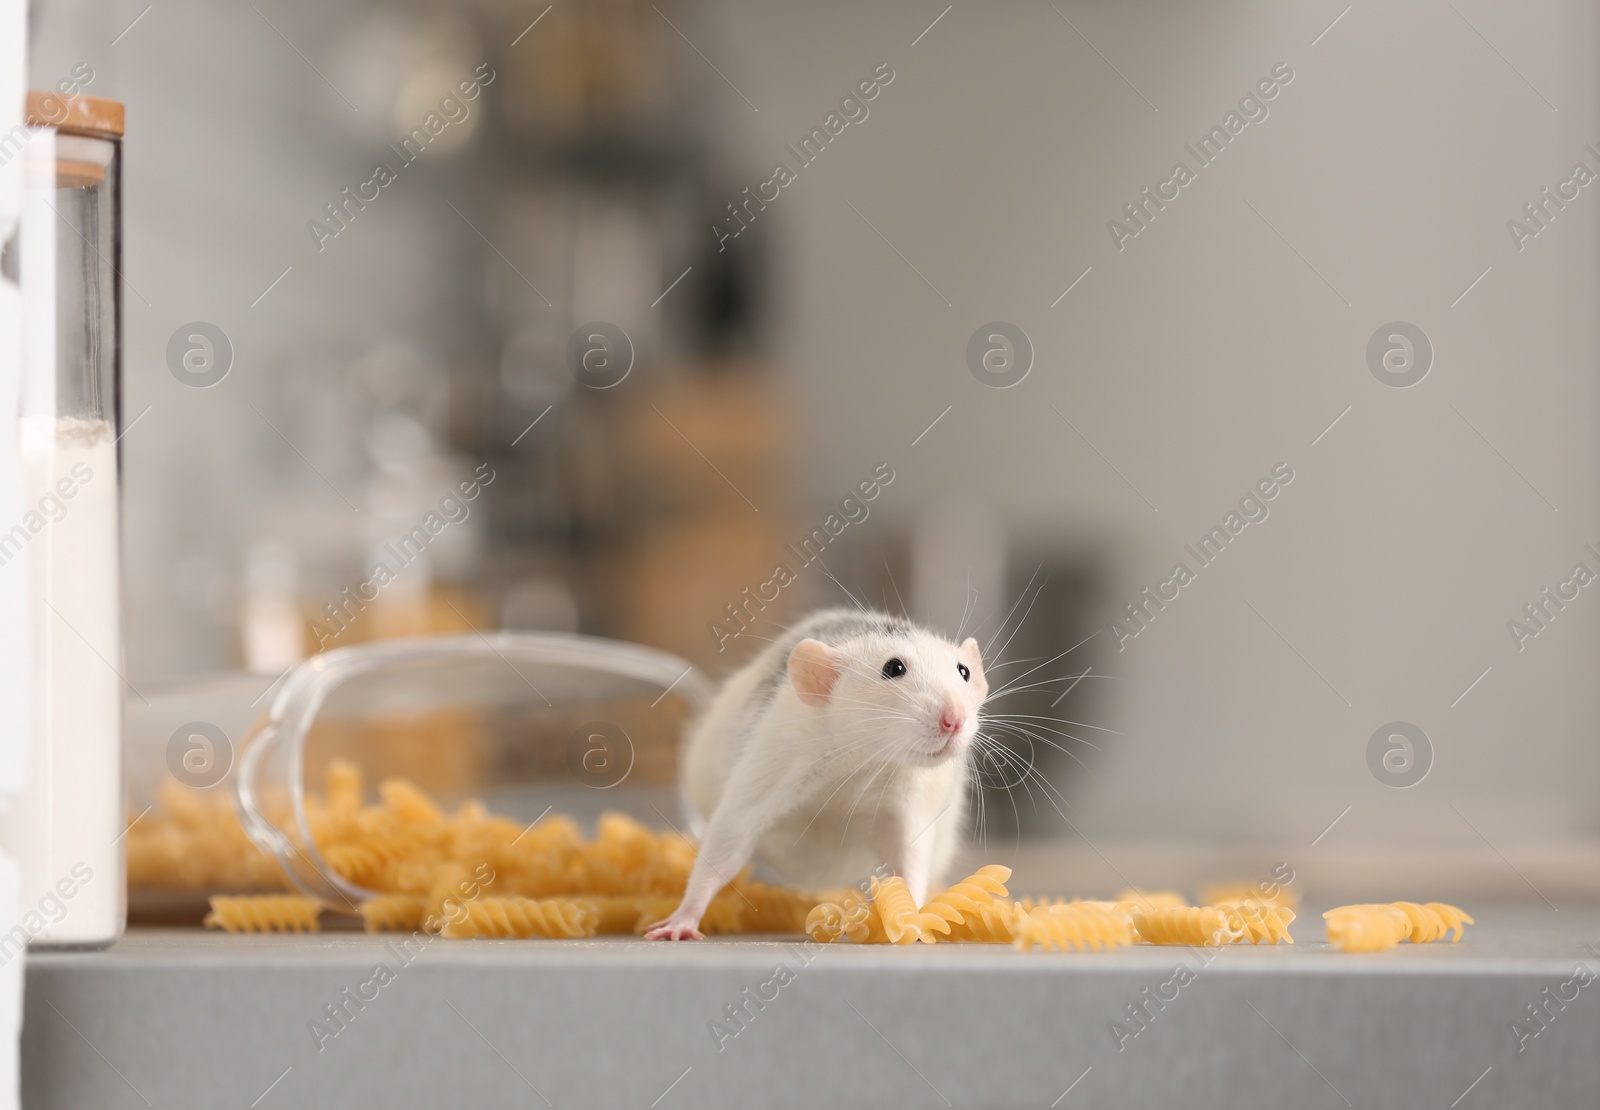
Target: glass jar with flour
66,828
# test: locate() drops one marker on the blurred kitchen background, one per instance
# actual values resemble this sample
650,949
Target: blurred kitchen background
377,368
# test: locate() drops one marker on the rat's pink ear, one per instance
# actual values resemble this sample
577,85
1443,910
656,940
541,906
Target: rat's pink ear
813,669
973,658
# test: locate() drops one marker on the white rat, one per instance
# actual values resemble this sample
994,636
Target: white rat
842,746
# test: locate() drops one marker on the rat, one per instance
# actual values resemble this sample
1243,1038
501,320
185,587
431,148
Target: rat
842,746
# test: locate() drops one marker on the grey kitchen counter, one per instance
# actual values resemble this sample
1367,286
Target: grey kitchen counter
179,1018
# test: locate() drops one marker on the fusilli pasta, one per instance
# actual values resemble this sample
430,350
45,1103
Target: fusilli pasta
966,898
1367,928
773,909
1198,925
1450,918
263,913
522,917
1432,921
995,924
392,913
1077,925
1372,927
428,868
619,915
1254,922
853,918
902,923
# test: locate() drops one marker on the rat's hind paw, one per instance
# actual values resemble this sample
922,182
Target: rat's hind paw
675,928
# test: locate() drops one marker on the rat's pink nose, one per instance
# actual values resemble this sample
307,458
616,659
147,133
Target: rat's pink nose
951,720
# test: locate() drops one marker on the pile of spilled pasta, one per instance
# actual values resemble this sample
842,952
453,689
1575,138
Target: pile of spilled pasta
473,874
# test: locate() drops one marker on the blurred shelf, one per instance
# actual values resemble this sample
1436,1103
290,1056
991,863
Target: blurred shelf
182,1018
628,155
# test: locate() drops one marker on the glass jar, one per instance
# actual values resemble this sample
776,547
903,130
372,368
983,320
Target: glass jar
544,717
67,826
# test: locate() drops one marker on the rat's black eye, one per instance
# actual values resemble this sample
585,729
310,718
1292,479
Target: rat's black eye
894,668
966,675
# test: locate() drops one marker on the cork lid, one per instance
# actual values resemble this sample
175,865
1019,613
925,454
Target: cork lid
94,116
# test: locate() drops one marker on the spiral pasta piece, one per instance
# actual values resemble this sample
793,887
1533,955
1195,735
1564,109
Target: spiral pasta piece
392,913
263,913
1375,926
1207,926
1432,921
366,857
853,918
356,861
452,886
1451,918
619,915
1426,925
725,916
864,922
772,909
993,924
825,922
425,865
1123,909
902,923
523,917
407,801
1368,927
193,841
1077,926
1031,903
476,834
411,874
1254,922
966,898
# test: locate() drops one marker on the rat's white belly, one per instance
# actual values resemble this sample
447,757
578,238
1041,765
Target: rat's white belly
866,824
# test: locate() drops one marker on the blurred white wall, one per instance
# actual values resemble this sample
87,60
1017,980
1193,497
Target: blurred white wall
1219,343
243,123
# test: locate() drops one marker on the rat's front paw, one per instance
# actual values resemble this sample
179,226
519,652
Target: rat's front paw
675,928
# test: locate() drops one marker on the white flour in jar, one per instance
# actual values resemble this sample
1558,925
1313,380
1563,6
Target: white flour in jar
66,828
